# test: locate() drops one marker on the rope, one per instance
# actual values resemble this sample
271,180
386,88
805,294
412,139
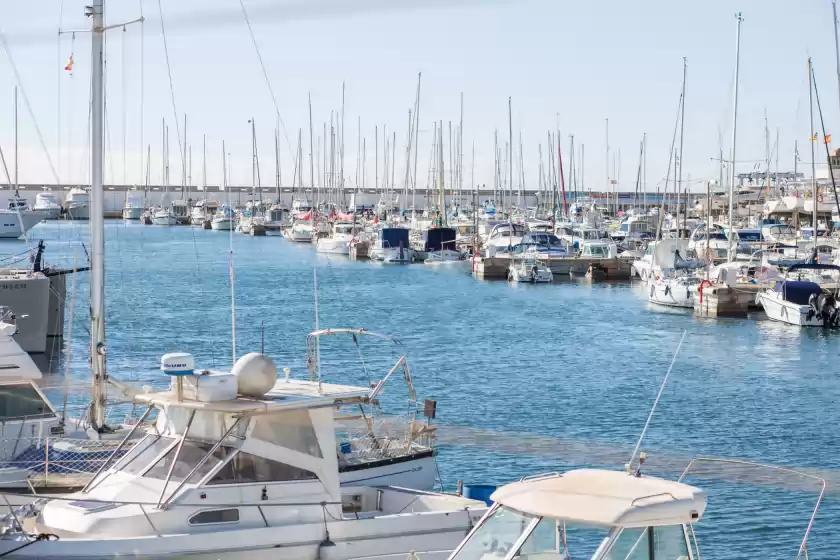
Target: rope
171,88
28,106
265,76
39,537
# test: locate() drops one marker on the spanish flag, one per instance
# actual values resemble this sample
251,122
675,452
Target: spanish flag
69,65
828,138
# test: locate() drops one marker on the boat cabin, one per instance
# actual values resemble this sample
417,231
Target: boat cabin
393,238
600,249
439,239
588,513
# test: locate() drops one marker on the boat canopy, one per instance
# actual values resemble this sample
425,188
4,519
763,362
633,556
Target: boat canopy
798,292
612,498
394,237
440,238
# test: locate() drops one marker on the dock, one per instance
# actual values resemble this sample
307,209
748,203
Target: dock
496,267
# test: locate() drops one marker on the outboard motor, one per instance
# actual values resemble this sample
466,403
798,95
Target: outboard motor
824,307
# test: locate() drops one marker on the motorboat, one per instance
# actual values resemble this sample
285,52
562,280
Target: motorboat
77,204
505,235
391,246
633,225
529,270
676,287
223,219
338,242
47,205
235,465
803,303
598,249
542,245
15,223
709,243
588,513
278,216
180,210
133,207
438,244
301,231
202,211
164,217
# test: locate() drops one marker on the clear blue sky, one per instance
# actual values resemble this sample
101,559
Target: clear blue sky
573,62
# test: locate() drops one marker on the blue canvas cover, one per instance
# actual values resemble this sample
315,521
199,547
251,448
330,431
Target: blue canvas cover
392,237
797,291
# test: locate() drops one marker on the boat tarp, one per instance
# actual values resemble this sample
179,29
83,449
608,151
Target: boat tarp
686,264
392,237
440,238
797,291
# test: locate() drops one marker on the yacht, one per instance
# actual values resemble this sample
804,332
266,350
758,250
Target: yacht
438,244
181,212
47,206
15,223
223,219
391,246
530,270
300,232
164,217
803,303
658,255
202,211
598,249
505,235
237,465
77,204
134,206
542,245
338,242
633,226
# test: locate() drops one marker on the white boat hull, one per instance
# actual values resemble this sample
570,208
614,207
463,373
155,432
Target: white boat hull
671,293
777,309
332,246
418,473
391,255
48,212
531,275
78,211
132,213
13,226
164,220
224,224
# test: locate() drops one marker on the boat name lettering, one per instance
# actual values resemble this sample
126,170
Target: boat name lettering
14,286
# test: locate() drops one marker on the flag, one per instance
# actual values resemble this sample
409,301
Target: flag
69,65
827,138
814,138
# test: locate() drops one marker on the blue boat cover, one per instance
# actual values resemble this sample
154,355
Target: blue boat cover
392,237
440,238
797,291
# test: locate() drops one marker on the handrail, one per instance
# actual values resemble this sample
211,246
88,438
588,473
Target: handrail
632,503
820,480
76,498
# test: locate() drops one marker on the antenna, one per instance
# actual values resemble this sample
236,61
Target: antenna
317,338
653,408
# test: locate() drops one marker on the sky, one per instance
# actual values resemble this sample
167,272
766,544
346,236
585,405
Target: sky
564,65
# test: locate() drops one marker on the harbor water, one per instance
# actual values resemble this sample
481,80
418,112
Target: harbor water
527,378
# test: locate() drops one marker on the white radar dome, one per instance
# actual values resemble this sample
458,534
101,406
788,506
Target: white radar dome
177,363
255,374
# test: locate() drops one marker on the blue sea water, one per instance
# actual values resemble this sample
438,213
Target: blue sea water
527,378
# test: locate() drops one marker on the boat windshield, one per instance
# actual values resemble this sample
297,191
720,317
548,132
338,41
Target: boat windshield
596,251
22,402
499,533
546,538
148,452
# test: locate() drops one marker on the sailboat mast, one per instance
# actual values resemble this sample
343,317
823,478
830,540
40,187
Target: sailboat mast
97,220
680,162
813,155
311,162
730,236
836,50
416,137
16,145
510,152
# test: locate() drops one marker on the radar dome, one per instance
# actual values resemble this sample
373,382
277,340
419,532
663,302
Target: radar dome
255,374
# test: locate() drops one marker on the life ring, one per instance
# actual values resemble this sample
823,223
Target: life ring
703,284
820,197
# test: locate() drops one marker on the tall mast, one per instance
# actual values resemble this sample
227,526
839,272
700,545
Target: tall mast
730,236
607,152
16,147
510,152
416,133
813,155
97,220
277,163
680,163
836,53
341,165
204,162
311,163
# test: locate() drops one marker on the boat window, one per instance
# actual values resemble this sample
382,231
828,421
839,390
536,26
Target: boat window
192,452
215,516
669,543
623,227
542,539
631,544
244,467
292,430
496,535
136,460
18,402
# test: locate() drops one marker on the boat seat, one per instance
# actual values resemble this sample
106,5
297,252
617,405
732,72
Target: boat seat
797,291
